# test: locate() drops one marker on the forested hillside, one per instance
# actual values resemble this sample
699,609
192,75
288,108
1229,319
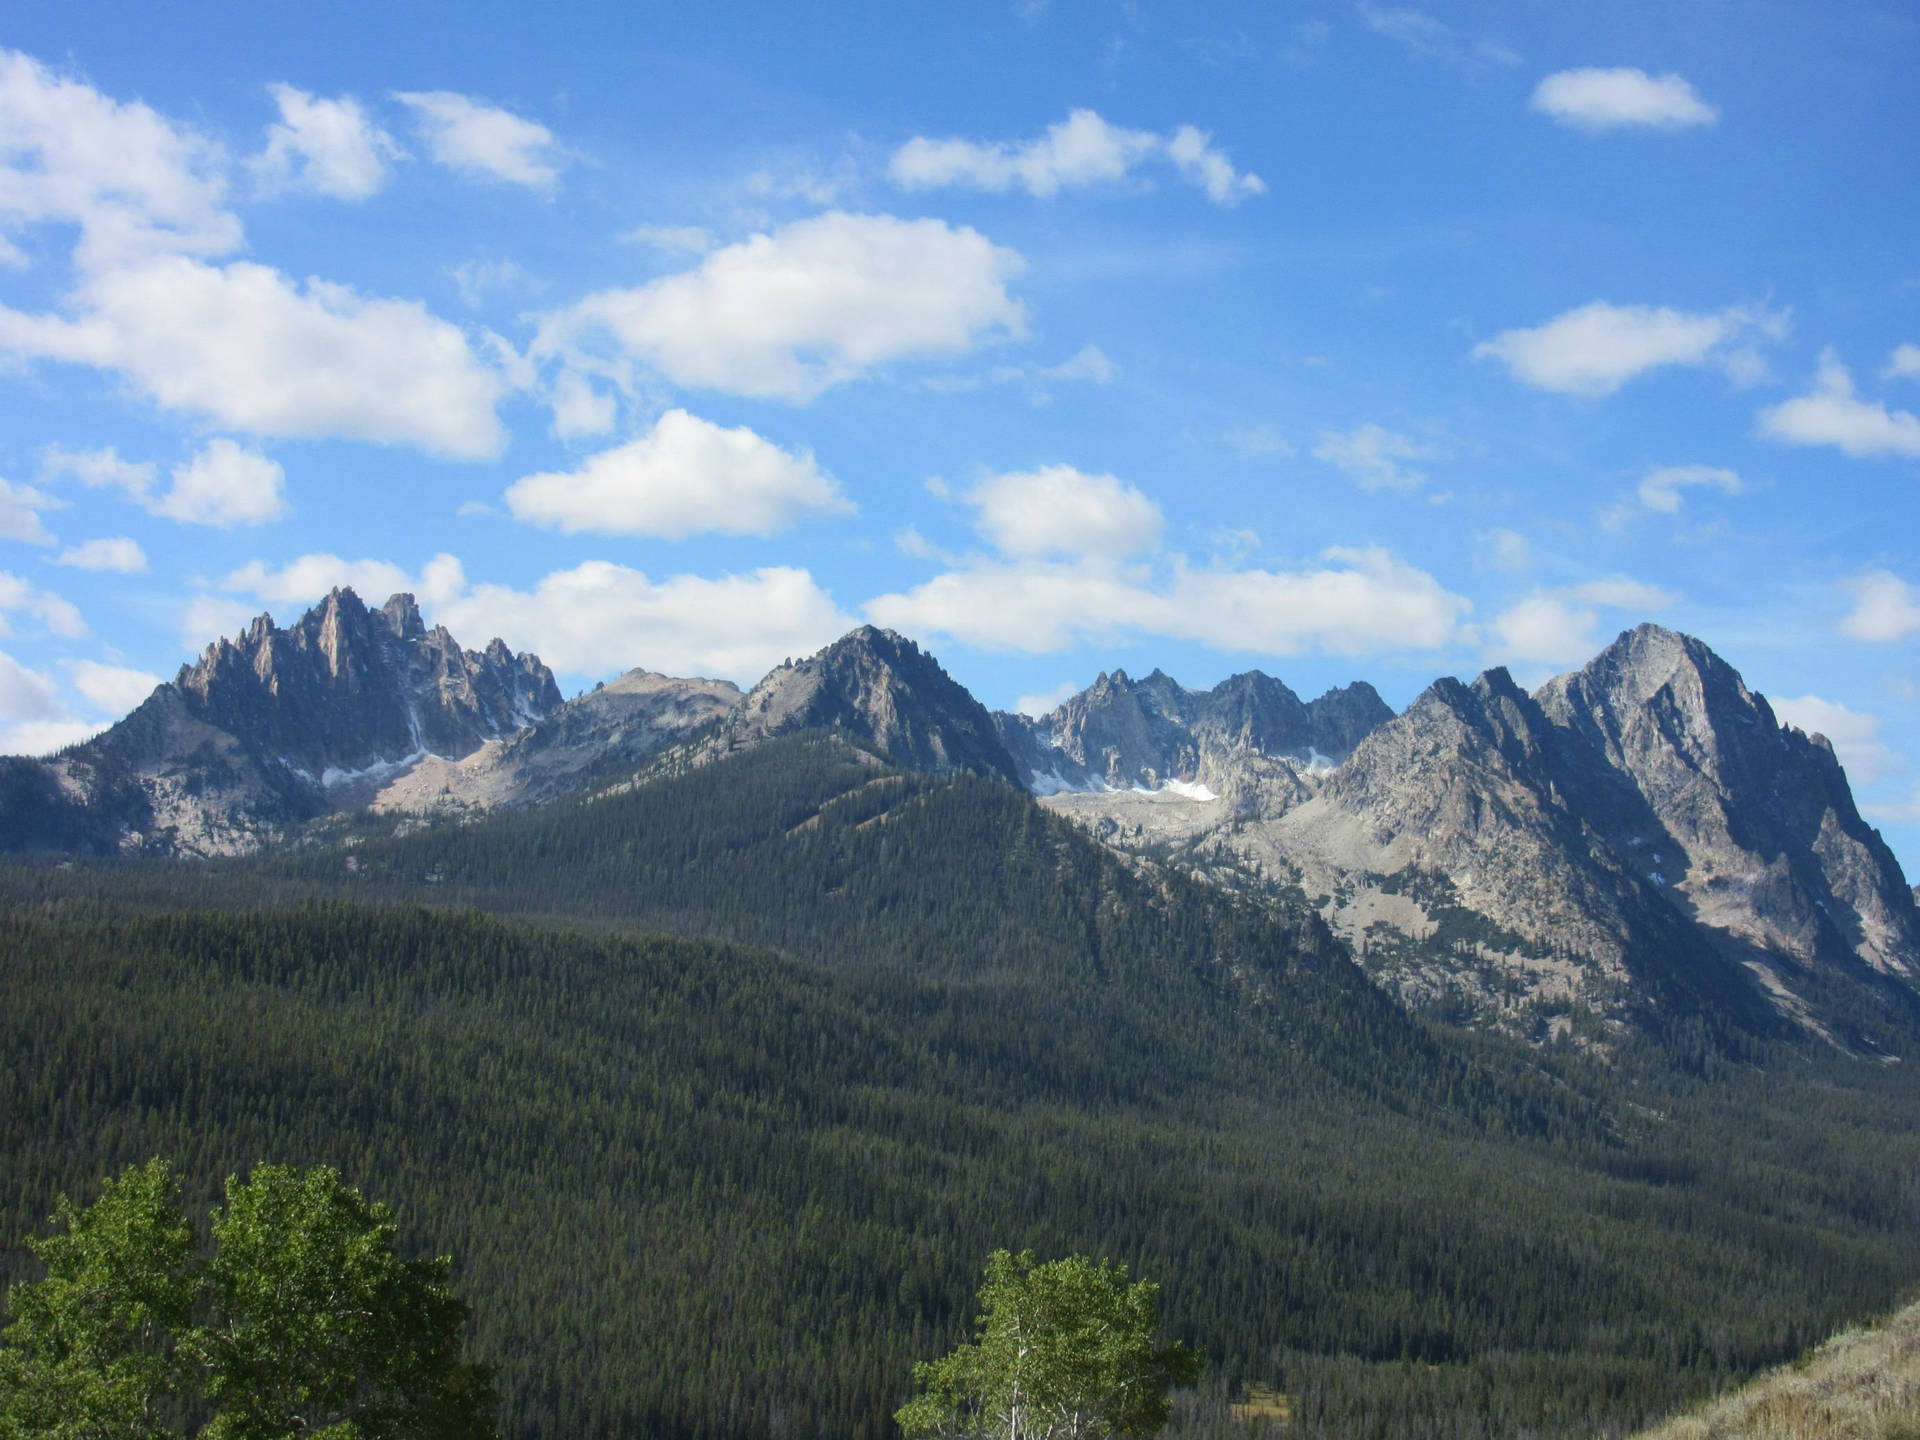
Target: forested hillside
735,1183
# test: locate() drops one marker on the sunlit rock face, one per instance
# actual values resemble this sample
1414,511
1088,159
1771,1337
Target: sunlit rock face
272,728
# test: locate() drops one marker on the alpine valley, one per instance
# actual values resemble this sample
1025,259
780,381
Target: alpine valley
1517,1064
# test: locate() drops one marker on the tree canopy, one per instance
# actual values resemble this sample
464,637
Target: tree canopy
1064,1351
303,1321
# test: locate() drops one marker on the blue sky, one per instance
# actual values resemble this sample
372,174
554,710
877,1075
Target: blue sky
1339,340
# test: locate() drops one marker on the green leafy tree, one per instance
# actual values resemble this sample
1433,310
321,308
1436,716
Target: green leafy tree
1064,1351
305,1322
91,1351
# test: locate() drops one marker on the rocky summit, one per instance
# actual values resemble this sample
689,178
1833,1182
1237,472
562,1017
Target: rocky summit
1630,844
1636,839
272,728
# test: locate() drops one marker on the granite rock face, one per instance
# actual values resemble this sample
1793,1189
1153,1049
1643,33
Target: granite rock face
604,735
273,728
1125,734
880,688
1639,838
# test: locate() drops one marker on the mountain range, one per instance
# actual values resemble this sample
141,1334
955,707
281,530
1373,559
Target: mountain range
1638,838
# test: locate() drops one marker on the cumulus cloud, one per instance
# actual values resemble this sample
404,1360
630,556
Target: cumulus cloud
99,470
1597,348
1598,100
1081,151
1351,602
1885,608
115,689
132,181
246,347
1058,510
26,694
1832,414
600,617
323,147
22,597
684,477
1661,487
33,720
1855,736
472,138
1374,458
788,314
20,507
240,344
1903,363
1557,626
225,485
119,555
302,582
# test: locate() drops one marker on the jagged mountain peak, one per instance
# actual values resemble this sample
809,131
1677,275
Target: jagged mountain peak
881,686
277,725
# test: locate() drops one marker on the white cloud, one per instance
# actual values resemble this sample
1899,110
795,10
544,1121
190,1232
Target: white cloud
1353,602
1506,550
1855,735
306,580
1434,39
1661,487
1885,608
472,138
475,278
20,507
205,618
120,556
225,485
674,239
1082,150
786,315
579,407
26,694
324,147
1047,701
1619,592
112,688
246,347
1088,365
1058,510
133,182
1597,348
599,618
1903,363
1258,442
686,476
56,614
33,721
1557,626
99,470
1375,459
1833,415
1597,100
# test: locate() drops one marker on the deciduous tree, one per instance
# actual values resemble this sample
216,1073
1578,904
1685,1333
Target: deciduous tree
1064,1351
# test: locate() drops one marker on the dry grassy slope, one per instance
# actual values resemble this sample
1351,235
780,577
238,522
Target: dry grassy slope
1861,1385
